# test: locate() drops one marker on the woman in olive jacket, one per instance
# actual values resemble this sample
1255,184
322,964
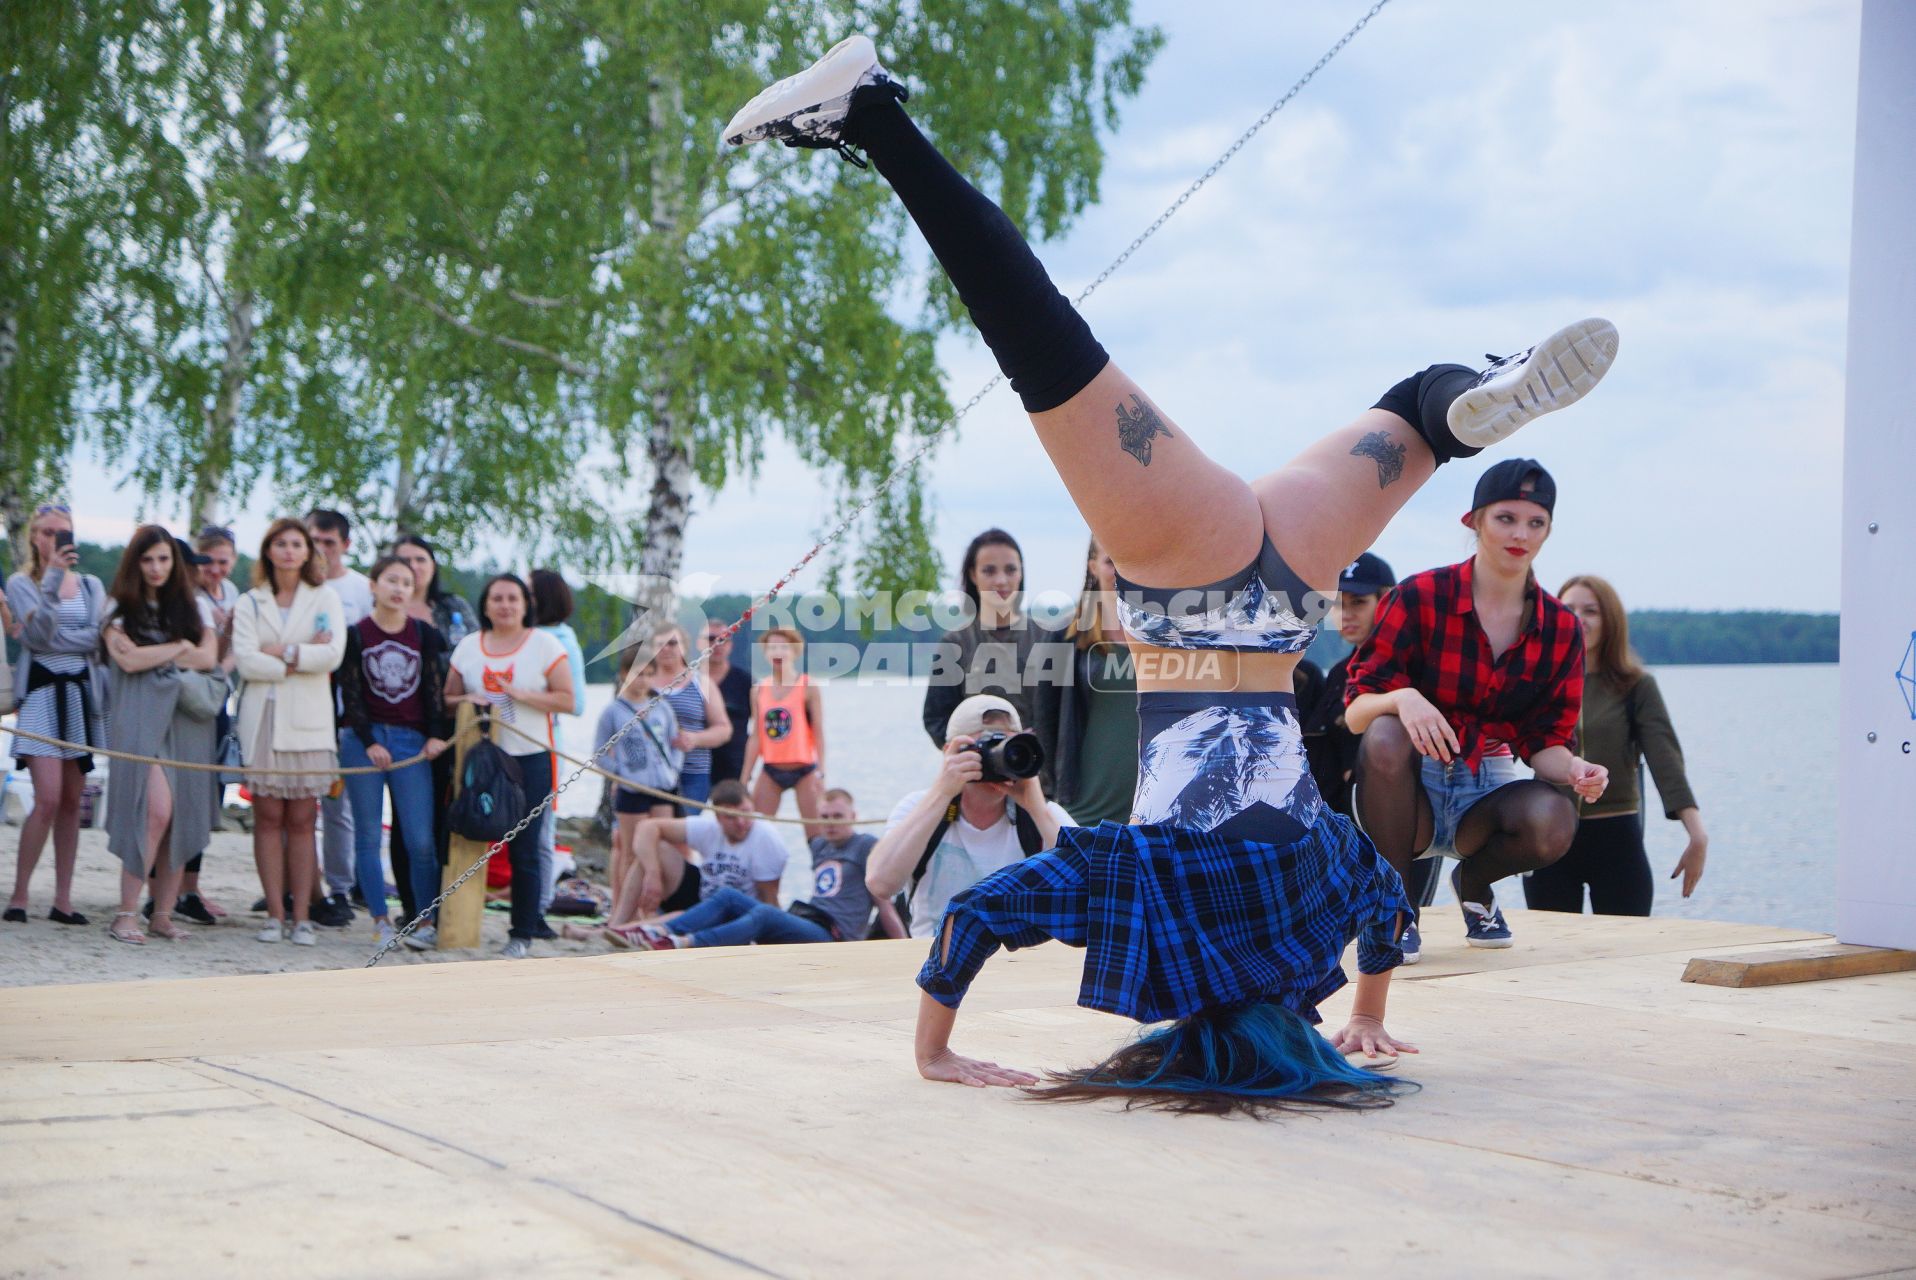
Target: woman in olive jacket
1624,721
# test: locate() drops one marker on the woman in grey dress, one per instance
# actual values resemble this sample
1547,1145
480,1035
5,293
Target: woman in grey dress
61,693
155,643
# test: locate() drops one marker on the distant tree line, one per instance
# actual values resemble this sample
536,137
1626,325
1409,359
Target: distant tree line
1663,637
1676,637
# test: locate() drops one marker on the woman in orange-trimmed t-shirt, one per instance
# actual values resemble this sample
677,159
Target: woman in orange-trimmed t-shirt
519,676
788,730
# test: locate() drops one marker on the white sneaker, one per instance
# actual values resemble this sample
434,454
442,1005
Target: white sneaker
273,932
305,934
424,938
517,949
807,109
384,932
1554,374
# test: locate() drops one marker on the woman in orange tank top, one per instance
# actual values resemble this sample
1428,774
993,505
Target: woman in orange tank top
788,731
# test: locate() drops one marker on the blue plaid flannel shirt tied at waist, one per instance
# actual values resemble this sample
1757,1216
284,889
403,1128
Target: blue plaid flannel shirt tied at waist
1174,920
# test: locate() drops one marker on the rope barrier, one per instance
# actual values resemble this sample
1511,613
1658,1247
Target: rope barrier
133,757
674,798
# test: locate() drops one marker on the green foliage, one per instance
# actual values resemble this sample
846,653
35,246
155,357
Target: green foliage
482,269
58,227
536,195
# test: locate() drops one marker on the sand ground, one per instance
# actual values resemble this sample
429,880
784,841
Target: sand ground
40,952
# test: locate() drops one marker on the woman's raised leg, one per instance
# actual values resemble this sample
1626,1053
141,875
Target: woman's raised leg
1327,506
1137,477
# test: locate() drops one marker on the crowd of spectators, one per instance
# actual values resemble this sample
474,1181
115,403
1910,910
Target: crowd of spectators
318,666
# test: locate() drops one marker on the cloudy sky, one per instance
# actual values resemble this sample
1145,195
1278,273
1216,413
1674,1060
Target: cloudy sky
1462,179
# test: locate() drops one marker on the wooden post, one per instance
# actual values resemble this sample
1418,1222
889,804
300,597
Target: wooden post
461,915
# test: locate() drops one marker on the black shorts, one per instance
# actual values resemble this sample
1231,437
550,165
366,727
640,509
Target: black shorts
788,776
625,800
686,895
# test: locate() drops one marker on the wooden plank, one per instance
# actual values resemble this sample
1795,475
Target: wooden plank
1773,968
460,915
754,1110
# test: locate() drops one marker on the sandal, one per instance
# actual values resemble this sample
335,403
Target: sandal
132,939
162,924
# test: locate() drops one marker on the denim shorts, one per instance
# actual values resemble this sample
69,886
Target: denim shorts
1454,789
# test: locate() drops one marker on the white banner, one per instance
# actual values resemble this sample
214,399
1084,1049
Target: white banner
1876,753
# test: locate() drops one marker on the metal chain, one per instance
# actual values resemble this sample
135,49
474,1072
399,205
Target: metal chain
903,469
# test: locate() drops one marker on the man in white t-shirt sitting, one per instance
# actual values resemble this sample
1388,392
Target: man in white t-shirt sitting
735,851
978,826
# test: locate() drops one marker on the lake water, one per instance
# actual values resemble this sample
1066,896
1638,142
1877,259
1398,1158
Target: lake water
1760,743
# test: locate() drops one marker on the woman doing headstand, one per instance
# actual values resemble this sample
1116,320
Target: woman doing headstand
1224,907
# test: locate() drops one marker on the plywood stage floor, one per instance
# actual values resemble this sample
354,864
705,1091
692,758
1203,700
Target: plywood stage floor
754,1112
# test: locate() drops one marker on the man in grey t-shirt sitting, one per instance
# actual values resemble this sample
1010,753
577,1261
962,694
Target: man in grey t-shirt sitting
839,910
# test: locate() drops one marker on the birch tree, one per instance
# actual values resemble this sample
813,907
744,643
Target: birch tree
534,193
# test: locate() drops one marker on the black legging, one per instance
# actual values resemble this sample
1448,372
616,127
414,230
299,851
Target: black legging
523,853
1607,855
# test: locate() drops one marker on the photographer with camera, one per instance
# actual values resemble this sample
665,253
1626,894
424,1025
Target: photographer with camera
984,811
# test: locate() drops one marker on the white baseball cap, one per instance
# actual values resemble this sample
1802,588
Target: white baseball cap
968,717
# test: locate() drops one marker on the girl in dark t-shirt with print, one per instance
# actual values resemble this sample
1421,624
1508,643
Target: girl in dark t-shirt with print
392,707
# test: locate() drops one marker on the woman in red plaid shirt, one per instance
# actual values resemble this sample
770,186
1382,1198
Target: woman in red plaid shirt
1472,667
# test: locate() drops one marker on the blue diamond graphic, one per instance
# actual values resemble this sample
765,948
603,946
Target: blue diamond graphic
1906,676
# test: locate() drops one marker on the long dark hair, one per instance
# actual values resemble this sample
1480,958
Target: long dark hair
436,589
172,614
989,538
551,597
485,619
1087,620
1254,1059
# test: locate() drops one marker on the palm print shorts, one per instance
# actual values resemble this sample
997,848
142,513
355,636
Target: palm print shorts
1229,763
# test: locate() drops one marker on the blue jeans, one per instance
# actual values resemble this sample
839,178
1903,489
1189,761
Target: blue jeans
412,807
694,786
732,918
548,856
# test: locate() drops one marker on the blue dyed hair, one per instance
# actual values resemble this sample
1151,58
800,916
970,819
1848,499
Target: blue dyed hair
1249,1059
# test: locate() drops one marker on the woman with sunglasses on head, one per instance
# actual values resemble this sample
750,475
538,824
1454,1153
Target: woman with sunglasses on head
60,690
703,722
155,641
1224,909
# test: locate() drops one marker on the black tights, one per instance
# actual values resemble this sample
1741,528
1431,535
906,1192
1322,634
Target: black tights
1516,828
1040,341
1608,856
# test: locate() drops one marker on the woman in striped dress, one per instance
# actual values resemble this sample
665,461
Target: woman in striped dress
61,694
703,723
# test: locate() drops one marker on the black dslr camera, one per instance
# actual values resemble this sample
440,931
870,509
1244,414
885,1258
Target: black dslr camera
1008,757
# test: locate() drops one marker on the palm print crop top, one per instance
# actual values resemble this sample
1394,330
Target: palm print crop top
1266,608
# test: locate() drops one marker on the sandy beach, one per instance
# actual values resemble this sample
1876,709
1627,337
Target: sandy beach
40,952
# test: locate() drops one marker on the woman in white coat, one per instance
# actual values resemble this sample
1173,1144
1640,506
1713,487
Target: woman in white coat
288,637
